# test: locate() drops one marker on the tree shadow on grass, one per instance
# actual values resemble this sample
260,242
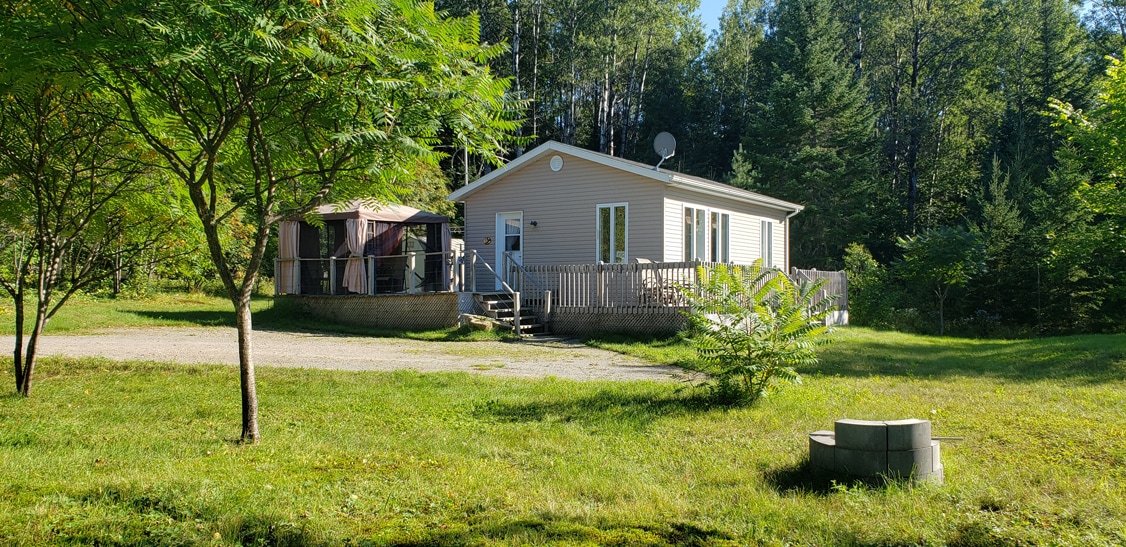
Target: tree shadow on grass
280,320
632,408
1089,358
546,529
194,317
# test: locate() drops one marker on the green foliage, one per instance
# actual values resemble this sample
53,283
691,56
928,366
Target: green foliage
263,112
939,259
754,327
870,291
1099,140
810,137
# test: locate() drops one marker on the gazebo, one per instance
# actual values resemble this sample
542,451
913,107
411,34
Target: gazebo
363,248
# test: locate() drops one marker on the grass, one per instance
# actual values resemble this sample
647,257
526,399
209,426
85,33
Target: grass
84,314
141,453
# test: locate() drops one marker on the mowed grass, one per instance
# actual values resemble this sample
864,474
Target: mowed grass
141,453
85,314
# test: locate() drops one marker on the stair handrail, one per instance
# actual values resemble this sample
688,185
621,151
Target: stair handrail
518,268
524,274
514,293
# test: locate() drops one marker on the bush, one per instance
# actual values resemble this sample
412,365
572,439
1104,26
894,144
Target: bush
753,327
871,296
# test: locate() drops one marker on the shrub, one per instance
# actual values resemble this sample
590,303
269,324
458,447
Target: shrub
755,326
871,297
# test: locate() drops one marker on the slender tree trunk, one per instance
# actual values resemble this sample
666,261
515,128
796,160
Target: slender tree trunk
17,357
941,310
534,106
915,137
247,383
569,122
31,354
631,86
516,64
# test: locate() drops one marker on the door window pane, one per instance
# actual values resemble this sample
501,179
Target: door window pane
721,237
695,234
701,235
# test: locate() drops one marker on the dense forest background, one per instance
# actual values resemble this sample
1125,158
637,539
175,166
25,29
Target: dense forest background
923,136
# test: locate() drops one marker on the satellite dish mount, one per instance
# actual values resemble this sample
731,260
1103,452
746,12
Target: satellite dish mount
665,146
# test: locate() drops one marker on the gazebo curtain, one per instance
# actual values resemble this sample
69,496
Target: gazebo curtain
355,278
289,267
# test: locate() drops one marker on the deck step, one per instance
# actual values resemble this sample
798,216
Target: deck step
500,308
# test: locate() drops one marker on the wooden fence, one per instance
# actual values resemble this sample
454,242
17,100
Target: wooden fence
634,297
836,287
653,285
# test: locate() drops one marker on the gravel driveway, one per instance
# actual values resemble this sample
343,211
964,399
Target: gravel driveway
561,358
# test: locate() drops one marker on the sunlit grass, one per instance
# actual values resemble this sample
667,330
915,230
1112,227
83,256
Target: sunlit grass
142,454
85,314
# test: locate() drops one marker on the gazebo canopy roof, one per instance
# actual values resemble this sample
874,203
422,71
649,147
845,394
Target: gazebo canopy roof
389,212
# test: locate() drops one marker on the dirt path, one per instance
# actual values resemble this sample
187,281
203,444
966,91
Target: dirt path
302,350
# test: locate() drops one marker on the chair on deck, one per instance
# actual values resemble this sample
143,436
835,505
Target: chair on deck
654,290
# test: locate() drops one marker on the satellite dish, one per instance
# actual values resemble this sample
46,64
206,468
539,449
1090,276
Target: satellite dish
665,146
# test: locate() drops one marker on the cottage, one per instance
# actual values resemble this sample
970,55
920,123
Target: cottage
594,242
558,204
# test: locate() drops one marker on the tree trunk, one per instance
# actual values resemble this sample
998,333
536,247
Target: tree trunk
516,65
17,357
534,106
30,355
572,111
246,370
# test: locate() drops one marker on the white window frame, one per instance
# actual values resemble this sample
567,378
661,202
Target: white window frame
767,250
614,252
699,238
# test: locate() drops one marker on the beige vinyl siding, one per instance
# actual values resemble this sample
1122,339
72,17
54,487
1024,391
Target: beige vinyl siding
745,237
746,225
780,235
564,206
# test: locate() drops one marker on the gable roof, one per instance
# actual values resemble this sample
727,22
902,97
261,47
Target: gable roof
671,178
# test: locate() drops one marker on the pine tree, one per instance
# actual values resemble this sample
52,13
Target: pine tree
1041,55
810,139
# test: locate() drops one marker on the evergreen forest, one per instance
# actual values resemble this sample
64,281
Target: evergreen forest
961,159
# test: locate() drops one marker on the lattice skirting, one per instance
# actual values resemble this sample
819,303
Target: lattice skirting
392,311
637,321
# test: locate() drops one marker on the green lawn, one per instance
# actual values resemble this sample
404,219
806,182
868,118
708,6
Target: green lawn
141,453
86,314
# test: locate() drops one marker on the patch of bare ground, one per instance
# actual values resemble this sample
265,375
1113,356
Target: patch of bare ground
218,345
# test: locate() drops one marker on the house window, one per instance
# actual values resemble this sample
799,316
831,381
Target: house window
767,244
612,233
721,237
695,234
707,235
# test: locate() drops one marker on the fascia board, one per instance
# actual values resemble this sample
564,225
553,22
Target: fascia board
461,193
732,192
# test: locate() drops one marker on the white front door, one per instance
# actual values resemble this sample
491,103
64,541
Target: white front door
510,243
